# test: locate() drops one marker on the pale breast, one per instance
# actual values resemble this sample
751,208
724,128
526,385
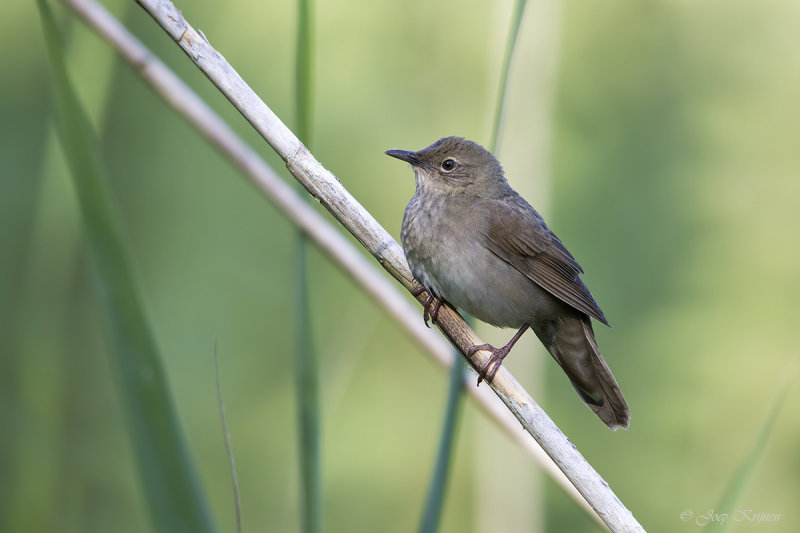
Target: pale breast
445,252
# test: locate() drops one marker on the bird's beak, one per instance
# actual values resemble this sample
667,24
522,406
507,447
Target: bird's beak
405,155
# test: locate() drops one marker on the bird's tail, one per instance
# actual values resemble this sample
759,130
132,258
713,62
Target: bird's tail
575,349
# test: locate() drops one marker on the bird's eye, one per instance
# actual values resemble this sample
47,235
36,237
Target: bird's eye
448,164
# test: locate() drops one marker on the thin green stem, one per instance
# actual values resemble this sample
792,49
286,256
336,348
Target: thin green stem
511,45
747,467
307,383
307,387
226,436
431,517
175,500
303,70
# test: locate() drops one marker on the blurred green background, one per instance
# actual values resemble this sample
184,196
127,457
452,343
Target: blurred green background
659,138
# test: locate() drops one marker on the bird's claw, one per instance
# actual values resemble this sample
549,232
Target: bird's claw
434,314
492,365
430,307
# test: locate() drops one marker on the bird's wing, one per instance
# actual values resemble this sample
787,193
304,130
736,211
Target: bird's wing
522,239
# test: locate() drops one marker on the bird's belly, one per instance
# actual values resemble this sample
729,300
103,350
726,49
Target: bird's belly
472,278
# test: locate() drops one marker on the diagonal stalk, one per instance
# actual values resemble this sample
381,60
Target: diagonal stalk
324,186
519,407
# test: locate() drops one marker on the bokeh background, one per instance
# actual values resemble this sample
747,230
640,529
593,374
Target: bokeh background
659,138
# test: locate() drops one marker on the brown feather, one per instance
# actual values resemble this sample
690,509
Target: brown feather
526,243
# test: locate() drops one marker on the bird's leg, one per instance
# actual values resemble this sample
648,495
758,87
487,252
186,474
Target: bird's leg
489,369
430,306
437,303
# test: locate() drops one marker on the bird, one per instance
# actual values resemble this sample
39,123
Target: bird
473,242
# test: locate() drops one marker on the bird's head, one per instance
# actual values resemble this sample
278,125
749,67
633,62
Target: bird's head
455,166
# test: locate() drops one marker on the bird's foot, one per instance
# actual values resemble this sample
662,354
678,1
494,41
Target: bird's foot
431,308
490,367
431,305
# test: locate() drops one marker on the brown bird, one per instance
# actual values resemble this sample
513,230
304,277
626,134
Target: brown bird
474,242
